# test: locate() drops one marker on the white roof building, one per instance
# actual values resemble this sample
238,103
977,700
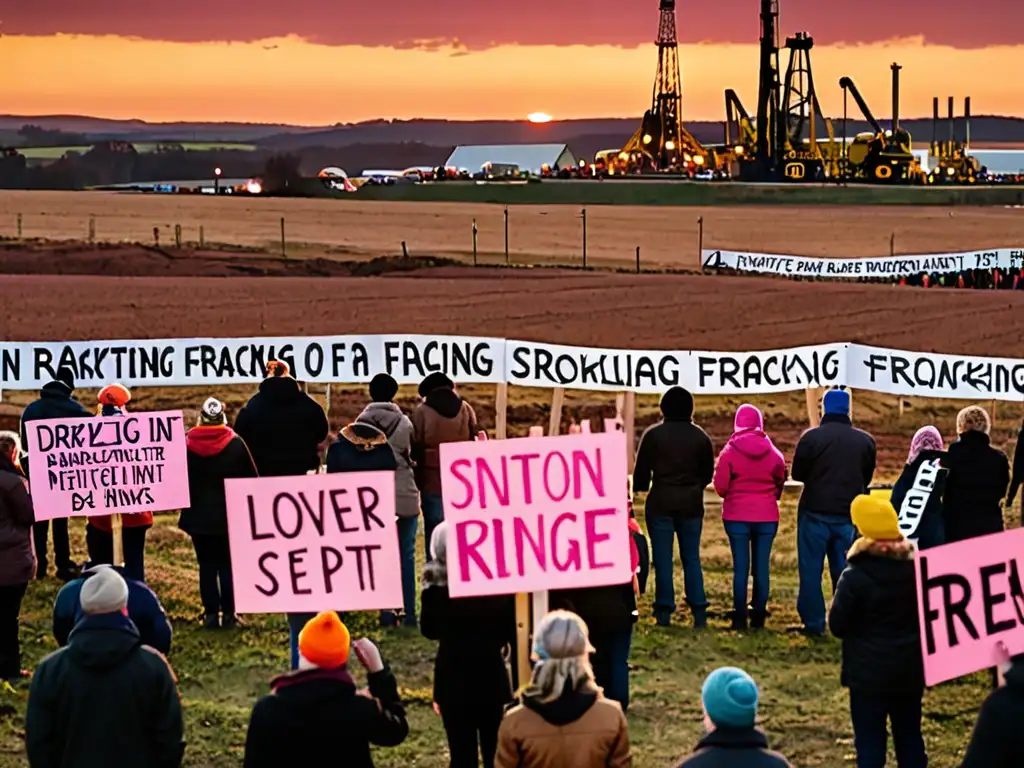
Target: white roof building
529,157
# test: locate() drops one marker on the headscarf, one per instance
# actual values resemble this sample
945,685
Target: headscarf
925,439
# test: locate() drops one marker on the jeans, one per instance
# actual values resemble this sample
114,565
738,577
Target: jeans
472,735
664,530
869,712
214,558
751,545
611,663
296,621
61,545
10,648
407,527
819,536
433,516
133,541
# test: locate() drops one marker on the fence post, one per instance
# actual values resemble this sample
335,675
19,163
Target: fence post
284,250
638,259
156,236
892,244
506,236
92,230
202,237
475,232
584,214
177,235
700,242
405,250
19,226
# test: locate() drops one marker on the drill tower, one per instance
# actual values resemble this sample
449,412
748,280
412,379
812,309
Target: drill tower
662,143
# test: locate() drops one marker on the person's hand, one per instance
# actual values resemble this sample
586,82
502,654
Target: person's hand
368,655
437,709
1002,657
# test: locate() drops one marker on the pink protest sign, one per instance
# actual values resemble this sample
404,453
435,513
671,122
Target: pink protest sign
313,543
112,464
536,513
970,596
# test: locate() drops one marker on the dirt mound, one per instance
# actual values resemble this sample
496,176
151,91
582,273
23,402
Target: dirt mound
117,260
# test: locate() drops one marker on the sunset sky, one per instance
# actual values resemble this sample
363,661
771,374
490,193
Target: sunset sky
319,62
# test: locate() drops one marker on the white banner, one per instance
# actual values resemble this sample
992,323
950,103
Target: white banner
470,360
326,359
882,267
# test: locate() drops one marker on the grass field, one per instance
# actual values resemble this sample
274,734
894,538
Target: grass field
55,153
221,674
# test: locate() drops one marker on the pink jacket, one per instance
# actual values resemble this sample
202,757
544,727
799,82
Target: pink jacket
751,472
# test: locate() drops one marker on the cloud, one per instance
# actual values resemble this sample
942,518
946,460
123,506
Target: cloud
481,25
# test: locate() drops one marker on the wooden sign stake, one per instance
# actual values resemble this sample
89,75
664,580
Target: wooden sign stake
116,532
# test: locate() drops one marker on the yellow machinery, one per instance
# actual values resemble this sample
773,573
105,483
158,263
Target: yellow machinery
951,163
882,157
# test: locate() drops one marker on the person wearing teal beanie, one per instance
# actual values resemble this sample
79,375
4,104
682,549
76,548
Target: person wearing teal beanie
730,698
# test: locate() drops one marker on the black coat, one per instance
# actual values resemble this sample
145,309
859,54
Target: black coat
1017,478
603,609
472,632
105,699
208,468
921,514
283,427
675,461
311,709
56,401
874,613
734,748
978,477
365,452
835,462
997,742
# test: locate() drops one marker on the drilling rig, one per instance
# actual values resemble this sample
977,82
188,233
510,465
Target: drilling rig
953,163
662,143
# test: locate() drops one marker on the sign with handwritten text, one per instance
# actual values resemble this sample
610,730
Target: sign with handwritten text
111,464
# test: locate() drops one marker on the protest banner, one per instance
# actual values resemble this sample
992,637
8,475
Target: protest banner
313,543
970,597
536,513
107,465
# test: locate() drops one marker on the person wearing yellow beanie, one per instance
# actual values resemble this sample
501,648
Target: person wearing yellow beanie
287,725
874,613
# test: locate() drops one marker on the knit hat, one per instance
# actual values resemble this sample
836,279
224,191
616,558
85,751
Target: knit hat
213,414
276,368
436,380
748,417
116,395
973,418
729,696
561,635
875,518
105,591
66,376
677,405
837,402
383,388
925,439
324,641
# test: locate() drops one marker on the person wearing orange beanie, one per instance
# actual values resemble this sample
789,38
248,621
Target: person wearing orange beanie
287,725
113,400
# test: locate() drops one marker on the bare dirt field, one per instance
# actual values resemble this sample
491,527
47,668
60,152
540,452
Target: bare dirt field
667,237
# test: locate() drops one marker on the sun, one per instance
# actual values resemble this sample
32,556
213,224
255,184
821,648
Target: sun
539,117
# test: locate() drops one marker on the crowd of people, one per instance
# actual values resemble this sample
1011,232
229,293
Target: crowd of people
109,692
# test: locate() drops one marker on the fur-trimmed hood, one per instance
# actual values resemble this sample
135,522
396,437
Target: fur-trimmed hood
364,436
903,549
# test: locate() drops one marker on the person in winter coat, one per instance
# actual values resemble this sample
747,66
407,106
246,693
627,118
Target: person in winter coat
730,697
442,417
56,401
144,609
282,426
675,462
609,613
215,453
917,495
471,682
996,741
835,462
17,559
99,537
383,414
104,699
750,478
978,478
319,701
1017,476
562,719
874,613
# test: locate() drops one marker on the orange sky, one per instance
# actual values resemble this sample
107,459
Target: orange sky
289,80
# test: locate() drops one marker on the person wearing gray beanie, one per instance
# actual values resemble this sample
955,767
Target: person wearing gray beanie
563,717
104,592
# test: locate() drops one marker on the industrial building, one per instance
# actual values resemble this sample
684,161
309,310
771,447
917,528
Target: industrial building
534,158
